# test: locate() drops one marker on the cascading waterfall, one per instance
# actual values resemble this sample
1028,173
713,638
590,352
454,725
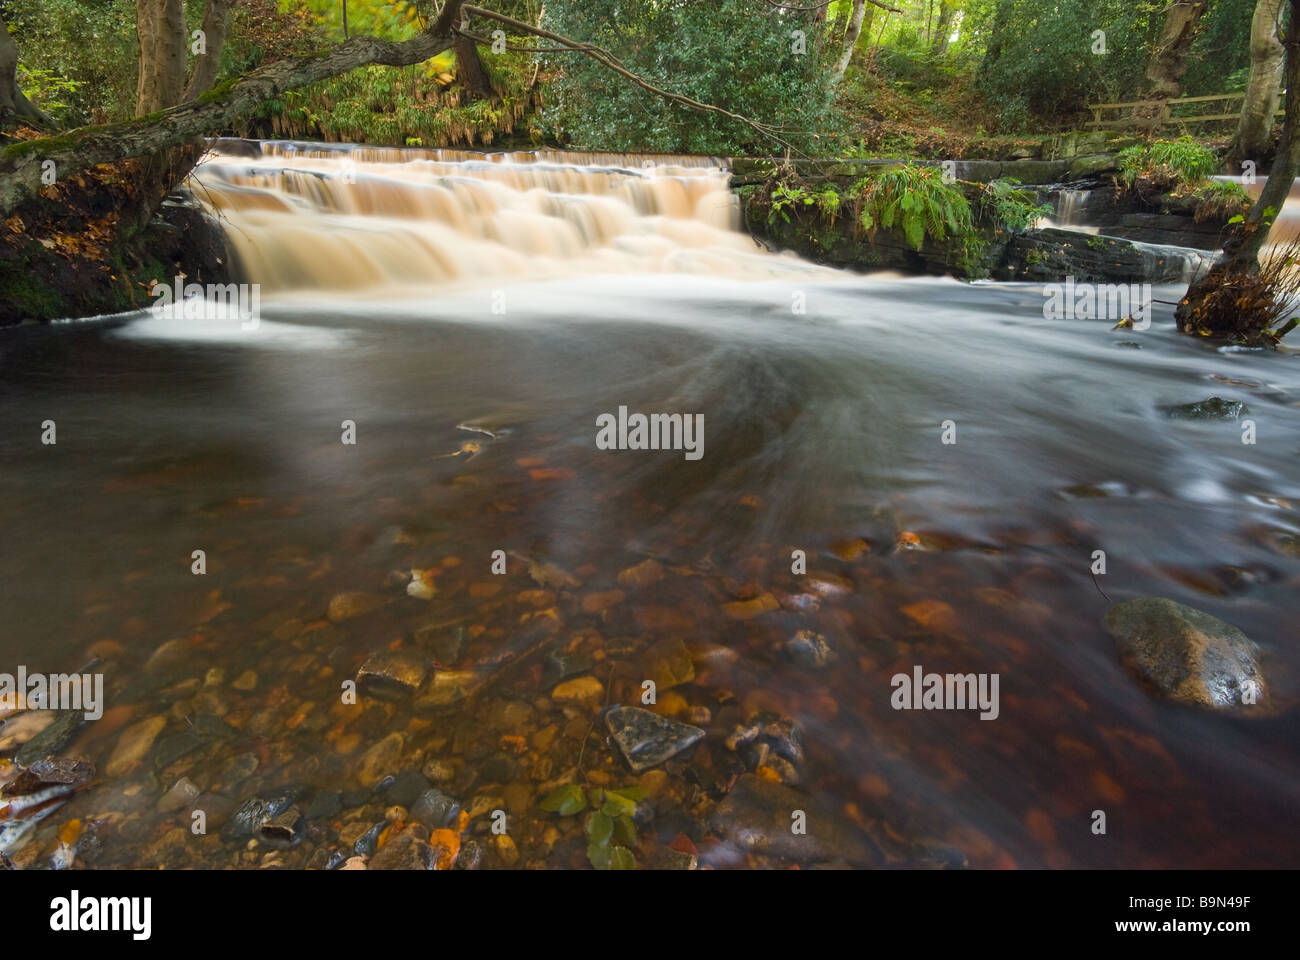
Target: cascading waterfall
375,220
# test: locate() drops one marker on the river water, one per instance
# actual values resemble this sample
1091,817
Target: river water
472,318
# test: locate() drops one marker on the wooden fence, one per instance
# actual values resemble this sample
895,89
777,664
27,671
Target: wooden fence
1154,114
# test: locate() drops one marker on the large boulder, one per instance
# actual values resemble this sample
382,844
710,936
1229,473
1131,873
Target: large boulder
1188,655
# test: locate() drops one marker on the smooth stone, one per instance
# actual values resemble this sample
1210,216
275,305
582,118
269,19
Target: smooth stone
757,816
381,759
809,649
404,852
1188,655
345,606
182,794
435,809
582,692
647,739
133,744
406,788
391,669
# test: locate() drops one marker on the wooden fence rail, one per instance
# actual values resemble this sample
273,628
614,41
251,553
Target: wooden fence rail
1157,113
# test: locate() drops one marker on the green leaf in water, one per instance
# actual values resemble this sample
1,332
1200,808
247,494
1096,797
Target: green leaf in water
566,800
620,858
599,829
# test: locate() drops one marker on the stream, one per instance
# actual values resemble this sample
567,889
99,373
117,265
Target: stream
472,317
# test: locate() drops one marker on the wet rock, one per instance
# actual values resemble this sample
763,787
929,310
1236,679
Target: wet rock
759,816
52,739
642,575
246,681
809,649
446,644
580,692
559,666
670,664
133,744
326,805
1213,408
777,733
345,606
381,759
239,767
438,770
283,827
368,842
506,850
388,672
168,656
252,814
182,794
498,769
446,688
471,856
406,788
435,809
646,739
404,852
1188,655
170,749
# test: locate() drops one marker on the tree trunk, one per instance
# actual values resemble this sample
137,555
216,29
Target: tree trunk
160,26
1168,63
216,15
1267,61
851,37
14,104
1241,253
943,30
469,68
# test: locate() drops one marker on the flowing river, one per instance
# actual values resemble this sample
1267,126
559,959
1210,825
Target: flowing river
466,320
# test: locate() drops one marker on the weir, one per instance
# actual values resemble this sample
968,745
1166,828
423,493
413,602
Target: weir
387,221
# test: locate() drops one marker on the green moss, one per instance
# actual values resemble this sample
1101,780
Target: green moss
27,297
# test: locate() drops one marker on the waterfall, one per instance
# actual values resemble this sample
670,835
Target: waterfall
370,220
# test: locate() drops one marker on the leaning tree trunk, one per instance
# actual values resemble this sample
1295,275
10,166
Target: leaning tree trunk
160,25
216,16
14,104
1168,63
1241,253
1267,61
851,37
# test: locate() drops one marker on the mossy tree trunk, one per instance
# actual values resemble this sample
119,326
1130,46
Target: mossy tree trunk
14,105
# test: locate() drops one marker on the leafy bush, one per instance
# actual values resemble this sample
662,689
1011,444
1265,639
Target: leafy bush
915,200
736,54
1007,207
1166,164
1221,199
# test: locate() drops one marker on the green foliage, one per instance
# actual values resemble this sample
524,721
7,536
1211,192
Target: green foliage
1165,164
1039,60
1010,208
736,54
915,200
610,829
1221,199
77,57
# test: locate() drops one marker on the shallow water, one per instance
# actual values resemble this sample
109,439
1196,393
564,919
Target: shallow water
821,429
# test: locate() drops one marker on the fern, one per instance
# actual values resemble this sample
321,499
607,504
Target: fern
1182,163
914,200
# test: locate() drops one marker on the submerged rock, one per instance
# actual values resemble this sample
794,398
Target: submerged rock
388,671
1188,655
647,739
1213,408
761,816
